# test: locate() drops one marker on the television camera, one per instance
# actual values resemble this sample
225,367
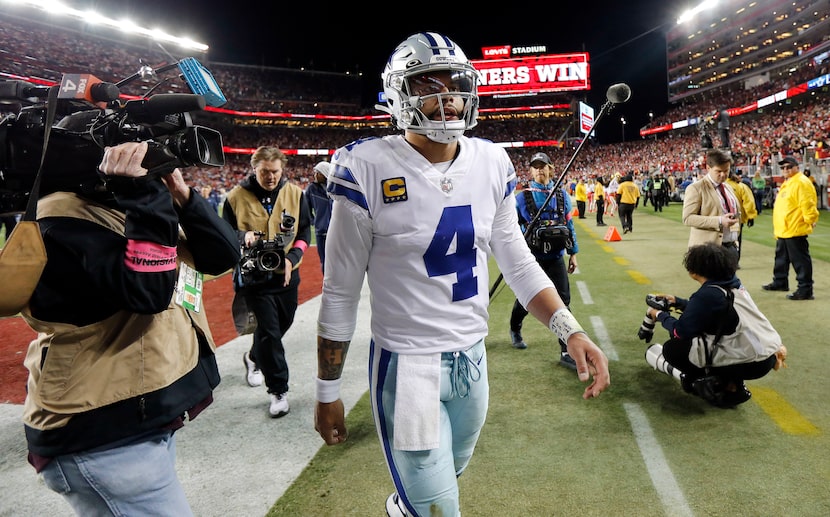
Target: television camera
265,256
91,115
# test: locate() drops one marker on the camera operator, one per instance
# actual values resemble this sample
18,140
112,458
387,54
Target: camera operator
122,358
256,208
709,315
549,254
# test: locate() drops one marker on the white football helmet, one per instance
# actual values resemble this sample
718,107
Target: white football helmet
410,78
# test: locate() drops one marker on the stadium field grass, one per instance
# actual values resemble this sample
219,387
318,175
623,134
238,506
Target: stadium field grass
644,448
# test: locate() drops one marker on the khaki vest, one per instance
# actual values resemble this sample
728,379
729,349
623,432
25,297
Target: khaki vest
121,357
251,216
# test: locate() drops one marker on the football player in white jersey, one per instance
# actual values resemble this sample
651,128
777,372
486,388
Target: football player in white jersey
419,214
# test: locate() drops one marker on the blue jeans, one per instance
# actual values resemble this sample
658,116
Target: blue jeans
136,476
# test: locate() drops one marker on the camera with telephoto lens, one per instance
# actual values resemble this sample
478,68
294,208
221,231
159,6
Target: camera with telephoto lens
646,331
655,301
83,128
265,256
659,302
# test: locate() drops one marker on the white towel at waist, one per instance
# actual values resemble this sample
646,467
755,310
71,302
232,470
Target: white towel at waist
418,402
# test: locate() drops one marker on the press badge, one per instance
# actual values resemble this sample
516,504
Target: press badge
189,288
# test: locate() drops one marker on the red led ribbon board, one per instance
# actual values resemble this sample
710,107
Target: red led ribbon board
536,74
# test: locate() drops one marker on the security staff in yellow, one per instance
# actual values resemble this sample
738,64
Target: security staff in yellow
273,224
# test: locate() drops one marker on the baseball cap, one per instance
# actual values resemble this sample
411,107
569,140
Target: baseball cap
540,157
323,168
790,160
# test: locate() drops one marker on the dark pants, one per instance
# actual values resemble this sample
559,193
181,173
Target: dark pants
274,309
795,251
759,200
580,207
658,200
321,249
676,352
557,271
724,138
626,216
600,210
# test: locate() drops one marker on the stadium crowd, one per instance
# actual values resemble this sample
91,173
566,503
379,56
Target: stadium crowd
758,139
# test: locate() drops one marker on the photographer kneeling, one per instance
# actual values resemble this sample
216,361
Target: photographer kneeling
273,224
721,337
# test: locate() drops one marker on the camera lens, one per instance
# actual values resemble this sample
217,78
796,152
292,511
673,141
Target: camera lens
269,260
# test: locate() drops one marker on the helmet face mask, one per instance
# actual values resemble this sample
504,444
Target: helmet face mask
431,88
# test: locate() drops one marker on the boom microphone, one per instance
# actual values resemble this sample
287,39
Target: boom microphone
618,93
153,109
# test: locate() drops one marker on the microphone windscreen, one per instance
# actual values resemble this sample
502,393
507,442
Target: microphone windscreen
618,93
104,92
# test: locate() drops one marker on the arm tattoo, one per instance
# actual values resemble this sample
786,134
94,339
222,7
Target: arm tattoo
331,355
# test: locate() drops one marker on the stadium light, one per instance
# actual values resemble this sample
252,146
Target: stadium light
96,18
689,14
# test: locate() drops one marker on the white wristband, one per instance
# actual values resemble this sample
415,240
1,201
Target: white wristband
328,391
564,325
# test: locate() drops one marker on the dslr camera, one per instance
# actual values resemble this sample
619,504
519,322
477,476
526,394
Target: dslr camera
265,256
655,301
85,115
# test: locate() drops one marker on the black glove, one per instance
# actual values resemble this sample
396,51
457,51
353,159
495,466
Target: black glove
750,223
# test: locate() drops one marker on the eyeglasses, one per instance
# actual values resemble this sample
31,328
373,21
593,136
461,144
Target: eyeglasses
788,166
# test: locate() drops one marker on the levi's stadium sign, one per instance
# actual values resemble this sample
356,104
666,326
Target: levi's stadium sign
534,74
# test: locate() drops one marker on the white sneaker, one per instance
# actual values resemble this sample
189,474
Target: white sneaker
393,506
279,405
254,376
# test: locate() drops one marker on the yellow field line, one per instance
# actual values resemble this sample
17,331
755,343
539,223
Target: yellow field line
782,413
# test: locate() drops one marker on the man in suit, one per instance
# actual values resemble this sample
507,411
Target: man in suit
710,207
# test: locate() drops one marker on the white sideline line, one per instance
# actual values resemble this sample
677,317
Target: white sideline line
603,339
658,469
584,293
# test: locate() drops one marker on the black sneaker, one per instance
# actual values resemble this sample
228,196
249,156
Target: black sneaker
567,361
732,395
516,339
800,295
774,287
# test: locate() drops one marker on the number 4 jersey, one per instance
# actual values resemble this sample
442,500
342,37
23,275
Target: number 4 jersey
422,233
